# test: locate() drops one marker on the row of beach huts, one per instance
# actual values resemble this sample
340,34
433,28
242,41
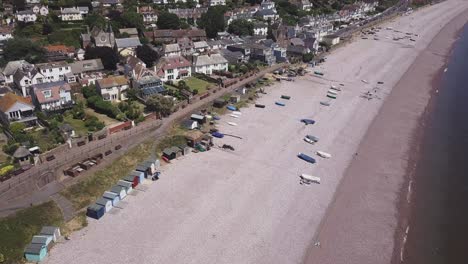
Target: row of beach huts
111,198
40,244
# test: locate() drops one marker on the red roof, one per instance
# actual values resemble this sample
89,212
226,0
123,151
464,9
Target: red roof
172,62
53,88
59,48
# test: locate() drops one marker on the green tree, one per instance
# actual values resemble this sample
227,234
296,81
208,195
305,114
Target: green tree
19,4
23,49
107,55
95,19
132,19
213,21
241,27
168,20
160,104
147,55
17,128
307,57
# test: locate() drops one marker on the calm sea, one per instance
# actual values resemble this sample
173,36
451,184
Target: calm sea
438,221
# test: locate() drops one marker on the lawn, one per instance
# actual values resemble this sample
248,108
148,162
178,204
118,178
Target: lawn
77,124
17,230
195,83
44,140
103,118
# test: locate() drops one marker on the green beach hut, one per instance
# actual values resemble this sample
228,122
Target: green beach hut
35,252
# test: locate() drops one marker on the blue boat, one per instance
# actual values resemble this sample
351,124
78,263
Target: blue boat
308,121
216,118
217,135
280,103
231,107
305,157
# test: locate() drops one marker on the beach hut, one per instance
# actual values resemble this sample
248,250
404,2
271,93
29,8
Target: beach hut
52,231
199,118
127,185
145,169
43,240
95,211
35,252
106,203
113,197
139,174
134,180
185,149
190,124
219,103
171,153
119,190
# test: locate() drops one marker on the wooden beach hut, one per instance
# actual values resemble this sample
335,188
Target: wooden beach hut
35,252
95,211
134,180
43,240
139,174
127,185
52,231
113,197
119,190
106,203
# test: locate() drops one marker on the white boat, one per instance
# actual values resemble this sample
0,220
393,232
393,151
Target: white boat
232,123
236,113
332,92
364,81
324,154
308,179
235,116
335,88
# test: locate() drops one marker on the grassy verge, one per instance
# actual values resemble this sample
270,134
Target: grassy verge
78,222
17,230
78,125
103,118
195,83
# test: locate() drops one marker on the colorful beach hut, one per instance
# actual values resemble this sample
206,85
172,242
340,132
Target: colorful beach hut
52,231
106,203
113,197
139,174
35,252
95,211
127,185
134,180
43,240
145,169
119,190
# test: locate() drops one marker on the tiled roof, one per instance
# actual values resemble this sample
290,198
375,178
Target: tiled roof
53,87
9,99
180,33
171,48
130,31
86,66
209,60
59,48
52,65
172,62
127,42
112,81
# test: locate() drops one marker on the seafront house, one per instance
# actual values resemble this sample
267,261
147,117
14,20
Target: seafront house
113,88
173,68
207,64
52,96
26,16
87,71
171,50
14,108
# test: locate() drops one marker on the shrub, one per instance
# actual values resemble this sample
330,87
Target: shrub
6,169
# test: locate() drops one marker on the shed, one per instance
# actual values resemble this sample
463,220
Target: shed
51,231
22,155
113,197
219,103
106,203
127,185
143,168
185,149
95,211
193,137
170,153
43,240
139,174
134,180
35,252
234,99
119,190
190,124
199,118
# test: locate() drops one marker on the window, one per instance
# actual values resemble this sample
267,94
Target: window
50,70
170,71
170,77
47,93
60,69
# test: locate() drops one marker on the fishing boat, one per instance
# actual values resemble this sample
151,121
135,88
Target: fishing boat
325,103
333,96
308,121
237,113
235,116
285,97
308,179
332,92
231,107
324,154
232,123
318,73
259,105
280,103
305,157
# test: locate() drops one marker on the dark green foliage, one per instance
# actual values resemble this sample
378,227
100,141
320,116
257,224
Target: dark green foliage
168,20
307,57
213,21
147,55
107,55
95,19
89,91
241,27
23,49
93,123
104,107
160,104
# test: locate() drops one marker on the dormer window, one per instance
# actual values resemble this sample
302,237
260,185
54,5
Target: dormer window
47,93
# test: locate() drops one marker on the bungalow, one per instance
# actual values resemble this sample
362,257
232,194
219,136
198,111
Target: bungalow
130,32
303,5
127,46
173,68
331,39
52,96
6,33
26,16
113,88
149,14
206,64
171,50
14,108
70,14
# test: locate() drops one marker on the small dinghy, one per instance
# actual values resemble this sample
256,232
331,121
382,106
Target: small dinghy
259,105
324,155
280,103
237,113
231,107
332,92
325,103
285,97
308,179
235,116
332,96
232,123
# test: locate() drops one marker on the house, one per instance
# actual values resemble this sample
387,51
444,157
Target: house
217,2
41,10
55,71
31,2
59,52
246,12
267,14
331,39
262,53
80,54
6,33
242,48
84,10
110,3
173,68
150,15
52,96
260,29
312,44
113,88
207,64
14,108
35,252
70,14
303,5
171,1
99,37
200,46
185,45
27,75
87,71
171,36
171,50
189,14
233,57
26,16
127,46
130,32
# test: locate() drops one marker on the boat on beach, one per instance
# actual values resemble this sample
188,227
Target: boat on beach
235,116
280,103
308,179
332,92
324,154
332,96
232,123
324,103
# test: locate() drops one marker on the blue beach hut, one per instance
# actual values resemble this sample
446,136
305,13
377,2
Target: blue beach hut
119,190
95,211
35,252
113,197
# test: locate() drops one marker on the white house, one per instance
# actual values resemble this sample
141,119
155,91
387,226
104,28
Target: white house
32,2
206,64
52,96
200,46
304,5
217,2
54,71
171,49
26,16
149,14
5,33
113,88
260,29
41,10
331,39
70,14
14,108
173,68
169,1
127,46
25,76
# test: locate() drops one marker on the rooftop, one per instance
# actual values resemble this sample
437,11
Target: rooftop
112,81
